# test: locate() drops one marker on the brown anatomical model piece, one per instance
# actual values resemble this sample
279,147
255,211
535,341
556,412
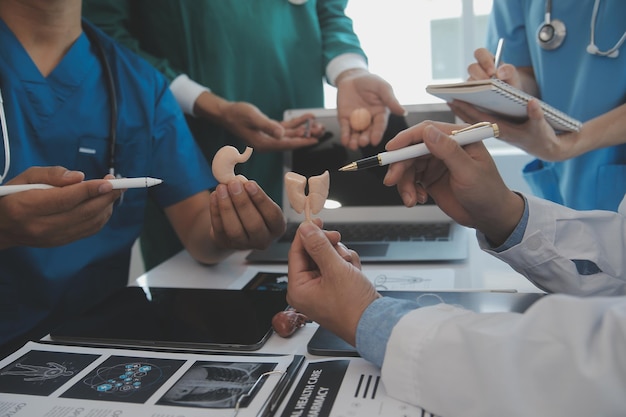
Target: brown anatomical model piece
224,162
285,323
312,203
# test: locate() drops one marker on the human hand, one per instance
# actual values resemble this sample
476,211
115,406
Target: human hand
303,130
244,217
325,281
534,135
361,89
463,181
248,123
55,216
485,68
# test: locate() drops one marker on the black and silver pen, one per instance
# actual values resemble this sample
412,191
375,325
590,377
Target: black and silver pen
470,134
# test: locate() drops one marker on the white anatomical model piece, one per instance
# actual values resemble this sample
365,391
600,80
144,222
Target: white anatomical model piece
312,203
224,162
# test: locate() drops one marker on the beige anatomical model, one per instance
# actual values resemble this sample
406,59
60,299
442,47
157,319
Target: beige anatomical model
312,203
224,162
360,119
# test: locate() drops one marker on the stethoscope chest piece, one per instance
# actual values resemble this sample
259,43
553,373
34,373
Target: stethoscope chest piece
297,2
551,35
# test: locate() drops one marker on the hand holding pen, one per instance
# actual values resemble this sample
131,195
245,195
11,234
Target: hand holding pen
470,134
74,209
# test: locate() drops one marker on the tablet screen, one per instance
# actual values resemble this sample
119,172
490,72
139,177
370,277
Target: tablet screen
208,319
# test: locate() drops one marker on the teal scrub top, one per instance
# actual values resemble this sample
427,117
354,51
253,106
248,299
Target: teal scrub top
63,119
270,53
576,82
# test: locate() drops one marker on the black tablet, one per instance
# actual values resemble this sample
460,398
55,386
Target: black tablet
203,319
325,343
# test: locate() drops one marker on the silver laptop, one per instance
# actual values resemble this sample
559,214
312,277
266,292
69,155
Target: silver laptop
370,216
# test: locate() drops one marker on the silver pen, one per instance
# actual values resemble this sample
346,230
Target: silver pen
498,56
118,183
470,134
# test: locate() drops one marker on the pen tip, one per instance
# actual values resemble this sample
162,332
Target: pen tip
350,167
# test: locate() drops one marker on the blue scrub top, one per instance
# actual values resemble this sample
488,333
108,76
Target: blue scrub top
576,82
63,119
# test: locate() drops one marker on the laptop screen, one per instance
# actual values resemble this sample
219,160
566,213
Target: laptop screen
363,188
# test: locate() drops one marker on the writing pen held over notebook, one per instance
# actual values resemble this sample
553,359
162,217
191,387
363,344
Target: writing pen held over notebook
470,134
498,56
118,183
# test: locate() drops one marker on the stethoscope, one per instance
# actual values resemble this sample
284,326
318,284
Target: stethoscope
551,33
110,83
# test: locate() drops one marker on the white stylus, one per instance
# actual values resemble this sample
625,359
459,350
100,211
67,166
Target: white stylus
118,183
470,134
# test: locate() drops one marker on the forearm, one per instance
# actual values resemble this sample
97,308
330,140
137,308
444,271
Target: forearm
191,219
452,361
608,129
569,251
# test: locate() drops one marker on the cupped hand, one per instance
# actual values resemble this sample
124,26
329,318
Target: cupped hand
244,217
361,89
303,130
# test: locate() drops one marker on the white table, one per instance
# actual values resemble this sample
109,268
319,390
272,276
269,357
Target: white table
480,271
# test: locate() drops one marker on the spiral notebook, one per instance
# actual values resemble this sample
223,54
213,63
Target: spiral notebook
498,97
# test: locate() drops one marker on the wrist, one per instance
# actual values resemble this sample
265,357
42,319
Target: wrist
498,225
350,74
210,106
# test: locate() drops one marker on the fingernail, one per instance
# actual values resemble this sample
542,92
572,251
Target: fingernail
431,134
307,228
69,173
235,187
251,187
407,199
105,187
222,191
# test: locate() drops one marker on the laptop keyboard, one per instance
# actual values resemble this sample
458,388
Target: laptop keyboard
382,232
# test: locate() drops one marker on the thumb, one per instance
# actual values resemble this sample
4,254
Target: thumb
317,245
54,175
445,148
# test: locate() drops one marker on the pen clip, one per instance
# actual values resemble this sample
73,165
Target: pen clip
476,126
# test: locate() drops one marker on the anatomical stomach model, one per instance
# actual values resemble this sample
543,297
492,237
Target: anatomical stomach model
313,202
224,161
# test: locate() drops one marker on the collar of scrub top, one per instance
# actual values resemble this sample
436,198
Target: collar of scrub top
110,82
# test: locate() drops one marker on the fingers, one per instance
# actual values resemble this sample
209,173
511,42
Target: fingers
57,176
389,99
52,217
484,67
376,131
243,216
315,243
259,121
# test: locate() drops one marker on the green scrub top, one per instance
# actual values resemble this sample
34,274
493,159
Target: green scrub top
271,53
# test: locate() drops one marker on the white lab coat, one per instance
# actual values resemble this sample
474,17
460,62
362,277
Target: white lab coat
565,356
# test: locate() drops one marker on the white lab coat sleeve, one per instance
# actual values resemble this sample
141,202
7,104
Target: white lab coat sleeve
556,237
565,356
